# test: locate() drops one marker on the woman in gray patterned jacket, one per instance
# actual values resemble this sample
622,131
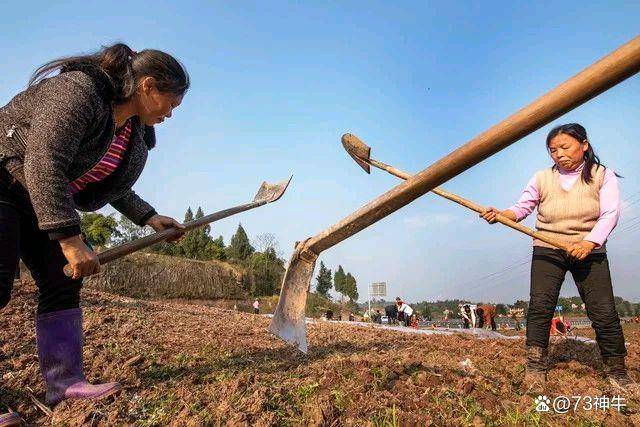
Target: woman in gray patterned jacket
77,140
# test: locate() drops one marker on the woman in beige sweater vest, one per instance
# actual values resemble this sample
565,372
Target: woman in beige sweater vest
578,201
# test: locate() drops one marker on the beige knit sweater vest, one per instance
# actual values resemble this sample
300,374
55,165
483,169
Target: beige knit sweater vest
568,215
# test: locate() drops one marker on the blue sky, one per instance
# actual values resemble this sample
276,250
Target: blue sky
275,85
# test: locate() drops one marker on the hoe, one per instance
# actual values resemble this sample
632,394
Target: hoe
360,152
267,193
288,320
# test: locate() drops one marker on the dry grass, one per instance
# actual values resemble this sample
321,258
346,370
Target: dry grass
160,276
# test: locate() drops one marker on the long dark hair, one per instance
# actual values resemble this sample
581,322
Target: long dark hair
125,67
578,132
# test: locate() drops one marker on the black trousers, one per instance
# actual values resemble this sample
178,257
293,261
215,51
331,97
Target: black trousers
407,320
481,322
593,279
20,237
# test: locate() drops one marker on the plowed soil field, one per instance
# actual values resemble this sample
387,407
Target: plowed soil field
185,364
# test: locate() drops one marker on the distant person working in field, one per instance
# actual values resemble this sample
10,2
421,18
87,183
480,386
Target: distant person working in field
406,311
374,316
515,315
479,317
468,313
399,314
487,316
414,321
391,311
256,307
578,201
559,326
77,140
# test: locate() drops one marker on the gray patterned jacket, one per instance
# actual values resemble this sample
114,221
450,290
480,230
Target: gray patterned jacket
58,129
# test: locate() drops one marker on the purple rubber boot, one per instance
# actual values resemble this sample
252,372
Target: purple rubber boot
60,340
10,419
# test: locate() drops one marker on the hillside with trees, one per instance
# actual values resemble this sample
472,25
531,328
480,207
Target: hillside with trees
199,266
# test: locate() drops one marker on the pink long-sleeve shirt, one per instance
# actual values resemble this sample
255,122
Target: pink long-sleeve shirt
609,202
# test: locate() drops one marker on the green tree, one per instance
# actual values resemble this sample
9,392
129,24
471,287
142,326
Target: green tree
240,248
565,303
216,249
623,307
351,287
267,271
522,304
98,229
339,279
196,244
501,309
424,308
619,304
207,228
323,281
167,248
128,231
203,238
628,308
188,245
188,216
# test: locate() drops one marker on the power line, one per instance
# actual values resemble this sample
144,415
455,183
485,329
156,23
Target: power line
628,205
629,230
626,226
478,281
517,271
635,194
507,279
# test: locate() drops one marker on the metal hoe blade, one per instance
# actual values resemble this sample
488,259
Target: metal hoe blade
269,193
289,318
358,150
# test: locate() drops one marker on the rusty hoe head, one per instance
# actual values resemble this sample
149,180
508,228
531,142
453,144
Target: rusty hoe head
358,150
271,192
288,320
